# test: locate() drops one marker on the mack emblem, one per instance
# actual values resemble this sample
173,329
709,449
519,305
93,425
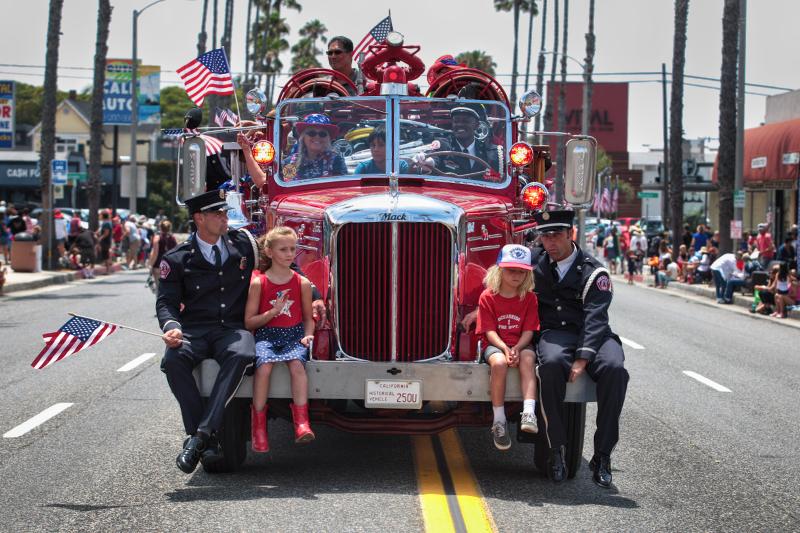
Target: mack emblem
389,217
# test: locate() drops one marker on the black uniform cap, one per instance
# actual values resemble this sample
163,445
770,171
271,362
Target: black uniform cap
472,109
208,201
553,220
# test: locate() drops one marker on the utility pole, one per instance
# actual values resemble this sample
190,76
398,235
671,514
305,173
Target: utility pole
133,182
665,173
738,212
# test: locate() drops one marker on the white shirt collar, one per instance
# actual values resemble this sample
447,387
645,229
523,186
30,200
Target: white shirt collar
565,264
208,252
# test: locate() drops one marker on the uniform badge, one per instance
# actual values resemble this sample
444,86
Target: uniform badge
289,171
243,263
603,283
164,269
545,216
221,194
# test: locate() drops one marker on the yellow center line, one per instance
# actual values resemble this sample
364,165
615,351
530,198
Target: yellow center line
449,494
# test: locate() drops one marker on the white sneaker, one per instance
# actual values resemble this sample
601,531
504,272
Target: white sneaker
528,423
500,436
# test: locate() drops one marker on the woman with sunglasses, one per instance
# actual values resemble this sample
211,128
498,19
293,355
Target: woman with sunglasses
314,157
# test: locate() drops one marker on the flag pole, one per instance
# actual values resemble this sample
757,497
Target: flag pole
125,327
235,96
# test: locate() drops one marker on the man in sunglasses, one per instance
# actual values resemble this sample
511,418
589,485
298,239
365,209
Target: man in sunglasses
574,293
340,58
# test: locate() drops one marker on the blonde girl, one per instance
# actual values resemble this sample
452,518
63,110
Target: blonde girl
279,311
507,317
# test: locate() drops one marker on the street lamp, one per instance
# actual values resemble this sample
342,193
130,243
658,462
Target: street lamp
134,185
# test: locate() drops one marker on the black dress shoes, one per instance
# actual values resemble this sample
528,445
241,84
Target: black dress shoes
601,470
212,452
190,455
556,466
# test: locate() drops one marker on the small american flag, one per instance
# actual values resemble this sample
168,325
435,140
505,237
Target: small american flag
375,35
78,333
213,145
208,74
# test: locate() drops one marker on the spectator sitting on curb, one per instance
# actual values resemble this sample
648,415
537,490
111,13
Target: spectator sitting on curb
668,272
727,277
766,293
785,285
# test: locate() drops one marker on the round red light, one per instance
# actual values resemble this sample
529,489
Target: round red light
521,154
263,152
534,196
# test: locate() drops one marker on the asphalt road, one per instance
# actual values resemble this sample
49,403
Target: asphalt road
691,458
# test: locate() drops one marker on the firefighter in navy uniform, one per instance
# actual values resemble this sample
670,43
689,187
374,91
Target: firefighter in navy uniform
209,274
574,293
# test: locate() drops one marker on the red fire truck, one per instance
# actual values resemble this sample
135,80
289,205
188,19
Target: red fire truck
397,252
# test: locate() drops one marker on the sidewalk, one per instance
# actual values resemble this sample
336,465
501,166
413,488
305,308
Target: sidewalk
23,281
706,294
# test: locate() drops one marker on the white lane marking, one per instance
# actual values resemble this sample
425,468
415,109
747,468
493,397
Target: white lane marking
632,344
136,362
705,381
37,420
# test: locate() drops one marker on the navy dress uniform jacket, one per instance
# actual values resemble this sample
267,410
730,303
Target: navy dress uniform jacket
578,303
491,153
211,297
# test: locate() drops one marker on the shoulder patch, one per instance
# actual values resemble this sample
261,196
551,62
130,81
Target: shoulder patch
164,269
603,283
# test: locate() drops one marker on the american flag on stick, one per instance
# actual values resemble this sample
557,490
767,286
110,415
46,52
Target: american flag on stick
213,145
78,333
376,35
208,74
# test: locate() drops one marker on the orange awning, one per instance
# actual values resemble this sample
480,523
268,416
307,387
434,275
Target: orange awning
771,153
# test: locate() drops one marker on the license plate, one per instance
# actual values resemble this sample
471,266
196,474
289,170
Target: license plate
393,394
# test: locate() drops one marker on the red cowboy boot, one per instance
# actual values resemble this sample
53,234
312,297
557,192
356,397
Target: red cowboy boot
302,429
258,429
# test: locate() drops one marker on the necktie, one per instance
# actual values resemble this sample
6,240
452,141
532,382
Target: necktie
217,256
554,271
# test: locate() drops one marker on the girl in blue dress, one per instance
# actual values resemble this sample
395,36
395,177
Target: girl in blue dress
279,310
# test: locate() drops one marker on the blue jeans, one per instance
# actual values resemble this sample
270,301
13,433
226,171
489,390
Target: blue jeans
730,286
719,284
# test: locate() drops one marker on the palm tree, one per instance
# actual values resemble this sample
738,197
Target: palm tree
96,127
531,14
49,124
562,106
477,59
304,56
517,6
314,29
588,63
727,120
540,64
202,36
548,116
276,43
214,14
676,121
247,44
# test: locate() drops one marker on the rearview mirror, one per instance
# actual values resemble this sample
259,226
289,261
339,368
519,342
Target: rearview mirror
530,104
579,174
192,177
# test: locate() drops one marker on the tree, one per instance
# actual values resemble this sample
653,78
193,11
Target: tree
517,6
676,123
540,64
96,131
726,170
202,36
306,50
548,115
531,14
49,123
588,63
477,59
562,107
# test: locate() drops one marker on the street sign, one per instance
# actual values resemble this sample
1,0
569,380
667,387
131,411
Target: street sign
647,194
58,192
738,198
117,93
736,229
59,167
77,176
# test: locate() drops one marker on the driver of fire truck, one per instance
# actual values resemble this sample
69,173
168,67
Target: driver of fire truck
340,58
314,157
467,118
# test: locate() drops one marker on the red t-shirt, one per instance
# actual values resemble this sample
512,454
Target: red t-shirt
508,317
292,312
764,244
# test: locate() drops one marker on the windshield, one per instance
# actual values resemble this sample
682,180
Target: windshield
321,139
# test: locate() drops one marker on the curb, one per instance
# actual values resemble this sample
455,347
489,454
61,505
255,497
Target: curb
58,279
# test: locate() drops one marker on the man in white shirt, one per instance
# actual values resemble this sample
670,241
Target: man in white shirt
727,276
